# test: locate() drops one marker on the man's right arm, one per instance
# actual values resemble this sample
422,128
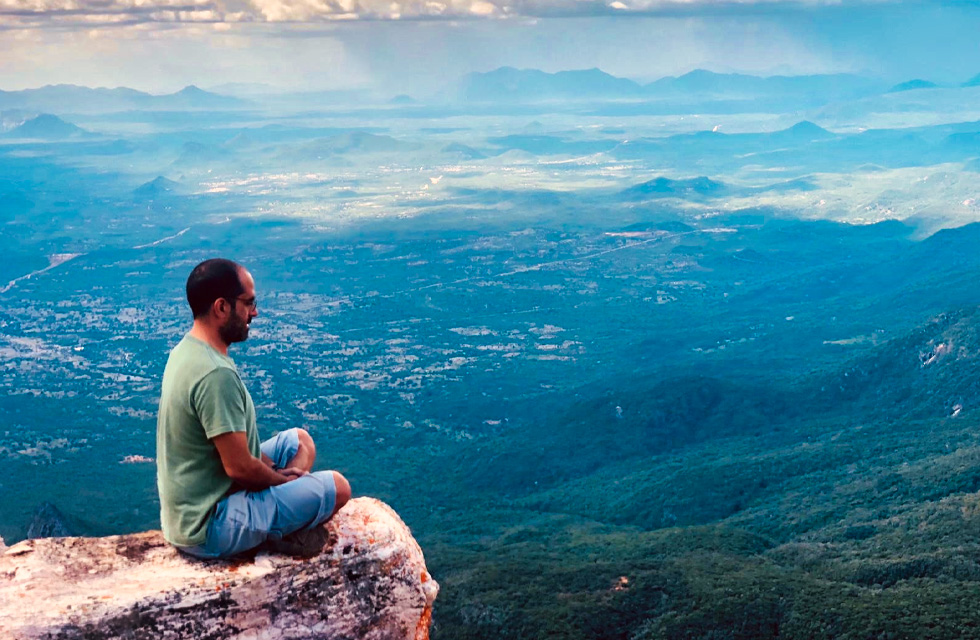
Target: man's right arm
242,467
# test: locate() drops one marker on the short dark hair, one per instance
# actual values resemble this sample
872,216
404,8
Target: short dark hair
213,279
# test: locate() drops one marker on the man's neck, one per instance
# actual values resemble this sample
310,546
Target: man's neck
206,333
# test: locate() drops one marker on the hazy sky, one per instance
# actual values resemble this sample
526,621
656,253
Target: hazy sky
415,46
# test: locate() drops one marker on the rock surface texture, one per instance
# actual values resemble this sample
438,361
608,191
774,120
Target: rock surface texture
368,582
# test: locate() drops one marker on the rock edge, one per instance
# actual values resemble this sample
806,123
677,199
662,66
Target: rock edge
368,582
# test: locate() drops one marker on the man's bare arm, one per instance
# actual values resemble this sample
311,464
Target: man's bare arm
243,468
290,472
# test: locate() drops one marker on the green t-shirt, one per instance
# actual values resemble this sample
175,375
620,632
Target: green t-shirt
202,397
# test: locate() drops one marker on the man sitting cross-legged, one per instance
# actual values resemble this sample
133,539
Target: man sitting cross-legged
221,491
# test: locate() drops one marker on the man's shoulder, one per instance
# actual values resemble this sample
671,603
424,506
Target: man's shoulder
193,359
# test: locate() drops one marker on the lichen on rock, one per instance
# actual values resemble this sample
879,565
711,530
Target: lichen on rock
368,582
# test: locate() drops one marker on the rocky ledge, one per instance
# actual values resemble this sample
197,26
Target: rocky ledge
368,581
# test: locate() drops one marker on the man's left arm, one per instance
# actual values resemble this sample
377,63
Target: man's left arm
289,472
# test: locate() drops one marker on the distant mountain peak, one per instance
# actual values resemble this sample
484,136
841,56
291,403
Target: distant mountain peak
350,142
47,126
160,181
594,71
707,75
192,91
690,74
510,84
806,125
701,73
912,85
57,98
467,152
48,119
818,87
663,187
196,97
810,129
157,187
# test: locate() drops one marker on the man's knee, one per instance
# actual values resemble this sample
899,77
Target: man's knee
306,453
306,441
343,493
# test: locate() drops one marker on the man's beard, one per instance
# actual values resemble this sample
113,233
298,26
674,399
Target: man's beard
234,330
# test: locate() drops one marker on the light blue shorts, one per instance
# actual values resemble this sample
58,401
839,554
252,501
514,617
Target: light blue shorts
245,519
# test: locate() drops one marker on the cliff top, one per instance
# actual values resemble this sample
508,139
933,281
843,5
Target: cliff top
368,581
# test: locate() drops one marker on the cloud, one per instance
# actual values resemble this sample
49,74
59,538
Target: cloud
68,14
60,14
163,58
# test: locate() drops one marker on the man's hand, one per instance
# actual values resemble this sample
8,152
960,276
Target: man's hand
293,472
290,472
241,466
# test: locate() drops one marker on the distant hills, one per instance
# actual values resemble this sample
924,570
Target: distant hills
463,151
700,81
355,142
919,83
716,149
158,187
661,187
912,85
47,127
349,143
932,372
192,97
65,98
702,189
803,131
713,146
508,84
527,85
359,142
973,82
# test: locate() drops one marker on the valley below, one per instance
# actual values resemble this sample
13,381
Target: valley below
683,365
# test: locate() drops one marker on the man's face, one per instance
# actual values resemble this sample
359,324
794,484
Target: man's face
235,328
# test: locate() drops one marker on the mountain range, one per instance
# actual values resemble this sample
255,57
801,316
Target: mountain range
68,98
502,85
47,127
508,84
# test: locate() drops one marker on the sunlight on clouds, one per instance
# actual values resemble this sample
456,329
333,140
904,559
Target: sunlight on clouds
103,18
187,16
83,14
482,8
296,10
37,5
199,16
317,10
24,7
314,10
42,13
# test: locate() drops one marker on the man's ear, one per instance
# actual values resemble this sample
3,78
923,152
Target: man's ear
220,308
